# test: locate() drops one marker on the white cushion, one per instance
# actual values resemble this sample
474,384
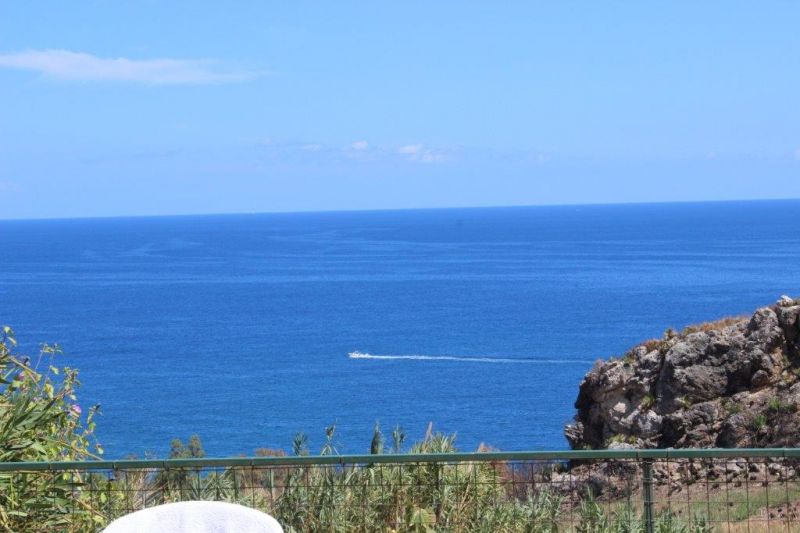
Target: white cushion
196,517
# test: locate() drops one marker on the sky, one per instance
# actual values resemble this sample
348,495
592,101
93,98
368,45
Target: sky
113,108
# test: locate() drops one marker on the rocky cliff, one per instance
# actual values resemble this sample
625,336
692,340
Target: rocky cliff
730,383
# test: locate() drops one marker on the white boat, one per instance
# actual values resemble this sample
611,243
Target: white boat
358,355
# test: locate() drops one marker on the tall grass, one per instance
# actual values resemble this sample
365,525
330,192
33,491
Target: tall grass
417,497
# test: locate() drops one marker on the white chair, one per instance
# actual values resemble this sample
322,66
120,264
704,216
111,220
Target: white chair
196,517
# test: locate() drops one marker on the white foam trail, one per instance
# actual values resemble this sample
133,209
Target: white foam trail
360,355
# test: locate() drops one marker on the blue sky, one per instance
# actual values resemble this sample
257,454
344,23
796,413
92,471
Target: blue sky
138,108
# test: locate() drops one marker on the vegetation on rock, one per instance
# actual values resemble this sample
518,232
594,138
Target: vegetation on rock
731,383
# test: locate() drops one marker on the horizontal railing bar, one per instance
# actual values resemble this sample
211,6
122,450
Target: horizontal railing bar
564,455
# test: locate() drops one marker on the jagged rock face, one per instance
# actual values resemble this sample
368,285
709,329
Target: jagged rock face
732,383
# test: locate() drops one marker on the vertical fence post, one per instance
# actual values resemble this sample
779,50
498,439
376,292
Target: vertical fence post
647,493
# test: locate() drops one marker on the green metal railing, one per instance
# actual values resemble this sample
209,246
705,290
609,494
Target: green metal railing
648,491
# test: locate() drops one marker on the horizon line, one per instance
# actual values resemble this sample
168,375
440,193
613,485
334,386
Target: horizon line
394,209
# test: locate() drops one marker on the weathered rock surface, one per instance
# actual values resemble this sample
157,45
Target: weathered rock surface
730,383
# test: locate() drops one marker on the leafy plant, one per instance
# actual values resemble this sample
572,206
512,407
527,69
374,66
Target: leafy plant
732,408
774,405
626,439
648,401
192,450
777,406
592,518
41,420
759,422
683,402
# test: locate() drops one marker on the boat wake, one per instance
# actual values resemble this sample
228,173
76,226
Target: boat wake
466,359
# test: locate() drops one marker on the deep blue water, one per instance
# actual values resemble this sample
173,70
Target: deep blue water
238,327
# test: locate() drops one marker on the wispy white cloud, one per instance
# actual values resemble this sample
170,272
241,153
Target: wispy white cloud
361,151
422,154
410,149
76,66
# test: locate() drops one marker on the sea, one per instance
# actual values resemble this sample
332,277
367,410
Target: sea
249,329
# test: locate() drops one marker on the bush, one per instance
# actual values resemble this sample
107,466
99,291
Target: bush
683,402
775,406
759,422
716,325
40,420
648,401
731,407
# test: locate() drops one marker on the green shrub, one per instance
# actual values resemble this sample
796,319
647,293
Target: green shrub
193,449
40,420
591,516
648,401
759,422
777,406
731,407
774,405
683,402
627,439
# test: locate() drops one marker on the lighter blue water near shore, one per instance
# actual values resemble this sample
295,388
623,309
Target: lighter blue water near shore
483,321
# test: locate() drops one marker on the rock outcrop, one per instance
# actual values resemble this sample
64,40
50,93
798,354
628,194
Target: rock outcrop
730,384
